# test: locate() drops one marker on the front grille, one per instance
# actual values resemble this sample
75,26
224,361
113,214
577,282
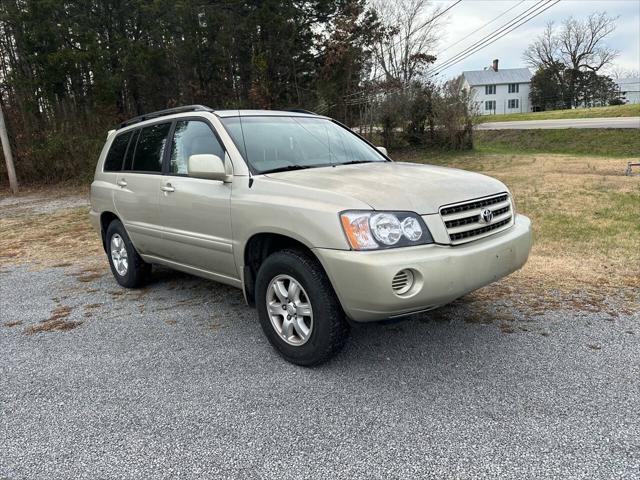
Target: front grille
478,231
473,205
464,221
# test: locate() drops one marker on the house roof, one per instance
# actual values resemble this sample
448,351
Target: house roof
491,77
629,84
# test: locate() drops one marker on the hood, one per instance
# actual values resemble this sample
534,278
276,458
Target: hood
401,186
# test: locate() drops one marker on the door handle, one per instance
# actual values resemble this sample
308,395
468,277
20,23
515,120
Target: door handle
122,183
167,188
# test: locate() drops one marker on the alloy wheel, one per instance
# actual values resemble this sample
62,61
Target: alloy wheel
289,310
119,255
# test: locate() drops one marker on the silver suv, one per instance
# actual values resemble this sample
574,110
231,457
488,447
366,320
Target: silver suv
318,227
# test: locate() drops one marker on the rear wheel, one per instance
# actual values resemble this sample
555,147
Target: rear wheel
298,309
127,266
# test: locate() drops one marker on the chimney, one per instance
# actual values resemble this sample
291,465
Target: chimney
495,65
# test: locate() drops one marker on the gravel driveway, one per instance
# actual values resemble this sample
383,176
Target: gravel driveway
177,381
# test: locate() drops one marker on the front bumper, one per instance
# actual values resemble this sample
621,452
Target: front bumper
362,280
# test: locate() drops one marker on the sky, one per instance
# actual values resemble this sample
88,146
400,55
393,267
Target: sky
469,15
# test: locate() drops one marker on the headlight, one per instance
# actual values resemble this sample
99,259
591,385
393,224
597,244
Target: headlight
411,229
386,228
370,230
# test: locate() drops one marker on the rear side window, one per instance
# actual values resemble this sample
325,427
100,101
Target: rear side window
192,138
150,147
128,159
113,162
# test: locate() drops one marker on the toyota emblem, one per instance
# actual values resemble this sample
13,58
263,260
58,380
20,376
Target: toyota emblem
486,215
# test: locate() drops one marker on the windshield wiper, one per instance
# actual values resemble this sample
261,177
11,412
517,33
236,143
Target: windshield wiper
287,168
352,162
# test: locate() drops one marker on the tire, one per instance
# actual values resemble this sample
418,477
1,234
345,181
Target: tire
137,271
328,330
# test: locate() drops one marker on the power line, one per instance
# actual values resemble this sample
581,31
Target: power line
487,40
477,44
442,68
480,28
428,22
388,49
505,28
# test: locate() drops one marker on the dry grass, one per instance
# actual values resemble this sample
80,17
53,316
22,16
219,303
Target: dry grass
586,217
14,323
59,239
585,211
52,326
51,191
90,274
57,322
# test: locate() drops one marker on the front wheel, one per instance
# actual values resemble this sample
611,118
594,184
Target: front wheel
298,309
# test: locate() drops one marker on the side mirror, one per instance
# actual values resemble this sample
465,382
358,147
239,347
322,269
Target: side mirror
207,166
383,151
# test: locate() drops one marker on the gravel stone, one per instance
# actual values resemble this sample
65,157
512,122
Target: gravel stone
178,381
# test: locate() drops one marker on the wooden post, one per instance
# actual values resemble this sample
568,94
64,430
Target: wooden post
8,157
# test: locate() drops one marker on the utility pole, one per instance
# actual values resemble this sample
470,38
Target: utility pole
8,157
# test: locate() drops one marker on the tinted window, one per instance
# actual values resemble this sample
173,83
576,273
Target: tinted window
128,159
113,162
148,156
192,138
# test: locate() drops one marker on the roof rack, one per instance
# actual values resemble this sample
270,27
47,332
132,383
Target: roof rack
162,113
300,110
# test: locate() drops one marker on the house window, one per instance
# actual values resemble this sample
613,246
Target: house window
514,88
514,103
489,89
490,105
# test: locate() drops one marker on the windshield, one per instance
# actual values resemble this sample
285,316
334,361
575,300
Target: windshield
276,143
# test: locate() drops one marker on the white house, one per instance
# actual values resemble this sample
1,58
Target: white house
629,89
498,91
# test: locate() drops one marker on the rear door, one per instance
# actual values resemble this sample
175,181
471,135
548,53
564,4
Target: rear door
136,200
195,212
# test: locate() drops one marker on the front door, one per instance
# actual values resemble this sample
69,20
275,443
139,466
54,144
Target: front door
136,199
196,213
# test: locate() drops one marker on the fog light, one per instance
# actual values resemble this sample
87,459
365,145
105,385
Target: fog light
402,282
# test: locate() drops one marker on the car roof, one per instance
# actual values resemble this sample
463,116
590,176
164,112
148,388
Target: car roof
220,113
265,113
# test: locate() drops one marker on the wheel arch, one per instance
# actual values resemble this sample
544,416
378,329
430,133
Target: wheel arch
105,220
258,248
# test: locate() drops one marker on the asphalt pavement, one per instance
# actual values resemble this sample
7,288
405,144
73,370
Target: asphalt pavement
177,381
613,122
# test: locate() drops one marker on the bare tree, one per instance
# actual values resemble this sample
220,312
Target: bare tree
545,50
411,34
619,73
577,44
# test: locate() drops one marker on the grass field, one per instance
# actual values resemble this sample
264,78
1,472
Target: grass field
576,141
586,217
585,212
596,112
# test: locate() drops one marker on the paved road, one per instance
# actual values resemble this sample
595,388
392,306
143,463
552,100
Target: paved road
177,381
614,122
